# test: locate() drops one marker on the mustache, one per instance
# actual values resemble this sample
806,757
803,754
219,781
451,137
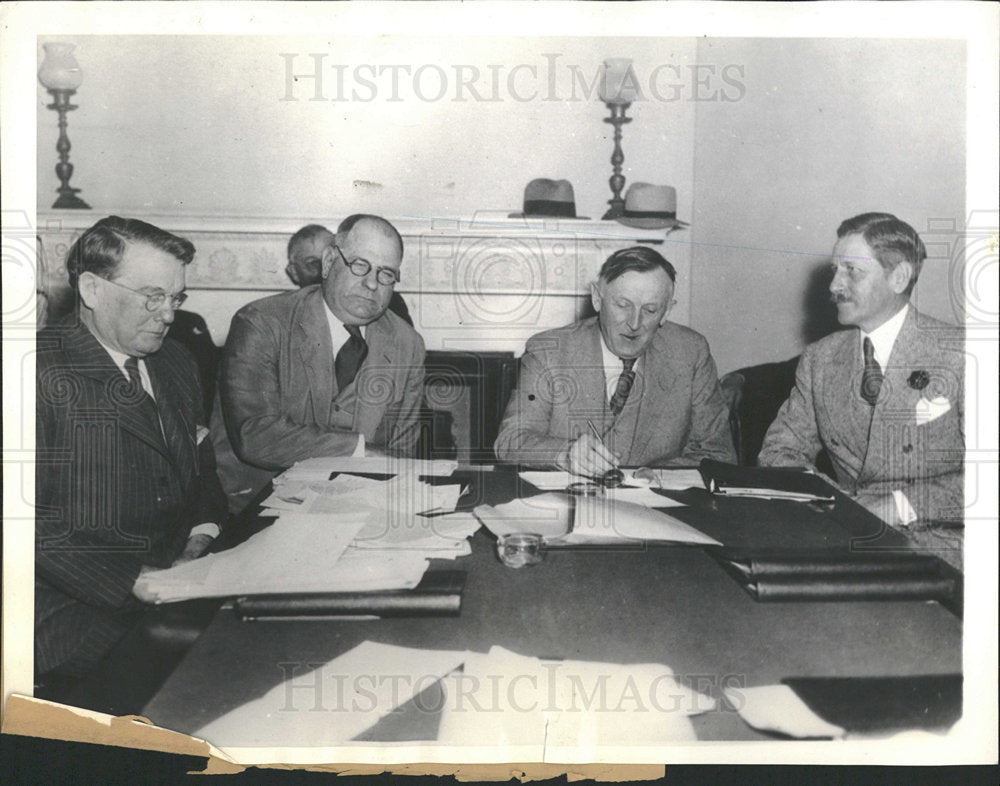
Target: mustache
838,297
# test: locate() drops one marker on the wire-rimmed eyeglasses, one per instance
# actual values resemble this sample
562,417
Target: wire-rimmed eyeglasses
386,276
154,300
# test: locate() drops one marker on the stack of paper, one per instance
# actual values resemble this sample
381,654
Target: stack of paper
298,553
348,534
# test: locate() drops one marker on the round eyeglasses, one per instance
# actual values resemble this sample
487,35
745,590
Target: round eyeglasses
154,300
386,276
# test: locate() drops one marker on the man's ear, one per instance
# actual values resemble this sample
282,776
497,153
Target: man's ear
326,262
899,277
595,296
88,288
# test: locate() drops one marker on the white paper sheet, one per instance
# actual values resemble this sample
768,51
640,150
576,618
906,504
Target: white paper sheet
334,703
298,553
321,468
644,496
555,480
602,519
549,515
778,708
532,708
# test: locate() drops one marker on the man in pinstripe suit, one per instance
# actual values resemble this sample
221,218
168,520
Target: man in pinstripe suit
125,479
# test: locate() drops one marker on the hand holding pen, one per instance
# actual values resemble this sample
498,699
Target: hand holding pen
589,456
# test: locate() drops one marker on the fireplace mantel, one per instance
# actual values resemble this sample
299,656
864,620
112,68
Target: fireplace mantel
483,282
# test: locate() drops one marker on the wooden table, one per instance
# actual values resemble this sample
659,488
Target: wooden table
662,604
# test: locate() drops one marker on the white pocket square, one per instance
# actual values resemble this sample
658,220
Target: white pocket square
928,410
200,432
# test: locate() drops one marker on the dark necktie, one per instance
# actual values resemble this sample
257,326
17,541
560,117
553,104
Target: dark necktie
350,357
871,379
168,424
138,394
624,387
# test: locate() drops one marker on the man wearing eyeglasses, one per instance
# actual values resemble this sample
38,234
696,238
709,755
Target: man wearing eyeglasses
125,478
327,370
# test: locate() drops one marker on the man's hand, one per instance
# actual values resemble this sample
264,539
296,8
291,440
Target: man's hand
588,456
139,589
196,546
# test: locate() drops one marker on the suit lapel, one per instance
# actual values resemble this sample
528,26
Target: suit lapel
91,360
377,376
588,368
651,387
315,350
897,400
177,428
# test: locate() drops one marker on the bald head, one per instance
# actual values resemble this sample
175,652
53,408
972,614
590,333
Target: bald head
374,224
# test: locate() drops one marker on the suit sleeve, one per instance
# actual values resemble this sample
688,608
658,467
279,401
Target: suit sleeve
793,438
70,553
709,436
212,504
402,422
524,436
260,433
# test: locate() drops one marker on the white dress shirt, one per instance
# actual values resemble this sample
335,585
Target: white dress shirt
613,368
883,338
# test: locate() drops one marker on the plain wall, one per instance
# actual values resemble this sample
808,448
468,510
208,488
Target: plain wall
828,128
766,162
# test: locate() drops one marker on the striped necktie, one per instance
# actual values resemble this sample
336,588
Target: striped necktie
350,357
623,387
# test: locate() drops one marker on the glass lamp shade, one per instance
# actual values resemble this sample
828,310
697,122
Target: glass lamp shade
59,70
618,81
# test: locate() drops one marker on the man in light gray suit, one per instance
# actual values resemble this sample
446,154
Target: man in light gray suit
884,398
646,386
327,370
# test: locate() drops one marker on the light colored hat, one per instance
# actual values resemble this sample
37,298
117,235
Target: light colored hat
545,198
650,207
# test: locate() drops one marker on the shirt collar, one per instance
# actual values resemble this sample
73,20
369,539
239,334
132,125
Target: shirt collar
613,363
119,358
338,332
884,336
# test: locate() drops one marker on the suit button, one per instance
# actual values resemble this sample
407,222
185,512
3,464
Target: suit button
907,448
336,407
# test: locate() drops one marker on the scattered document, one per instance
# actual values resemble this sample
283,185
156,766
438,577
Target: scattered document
777,708
642,495
297,553
673,479
334,703
605,519
555,480
564,519
549,515
535,710
321,468
668,479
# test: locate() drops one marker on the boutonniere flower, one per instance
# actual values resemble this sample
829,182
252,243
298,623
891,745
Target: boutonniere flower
919,380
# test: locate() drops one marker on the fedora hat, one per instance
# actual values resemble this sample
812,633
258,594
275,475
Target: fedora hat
544,198
650,207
